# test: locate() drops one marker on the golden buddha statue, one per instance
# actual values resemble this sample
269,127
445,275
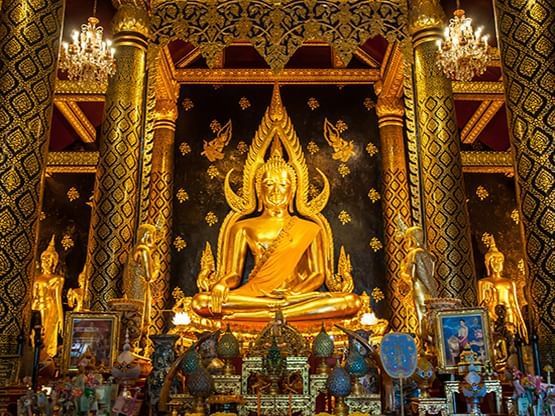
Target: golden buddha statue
47,299
292,251
496,290
417,270
76,296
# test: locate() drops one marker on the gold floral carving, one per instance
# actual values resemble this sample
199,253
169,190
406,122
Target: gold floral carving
486,239
215,125
187,104
211,219
373,195
182,195
344,217
131,16
343,170
278,29
179,243
72,194
67,242
478,90
166,110
371,149
375,244
213,171
312,147
184,148
313,103
244,103
425,14
368,103
482,192
389,107
377,294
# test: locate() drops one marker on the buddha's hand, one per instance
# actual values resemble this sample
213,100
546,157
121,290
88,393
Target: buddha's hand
218,297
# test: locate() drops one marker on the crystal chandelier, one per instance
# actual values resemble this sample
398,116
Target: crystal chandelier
463,54
88,57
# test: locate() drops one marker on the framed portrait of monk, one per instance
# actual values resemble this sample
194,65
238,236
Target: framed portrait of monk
456,330
90,339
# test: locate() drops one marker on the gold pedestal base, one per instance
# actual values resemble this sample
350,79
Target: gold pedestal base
341,408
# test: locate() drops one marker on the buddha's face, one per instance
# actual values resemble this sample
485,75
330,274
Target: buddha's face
276,190
48,262
496,263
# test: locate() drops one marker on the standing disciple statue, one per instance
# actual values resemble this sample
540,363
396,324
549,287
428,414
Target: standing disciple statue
417,270
47,299
141,272
494,289
292,255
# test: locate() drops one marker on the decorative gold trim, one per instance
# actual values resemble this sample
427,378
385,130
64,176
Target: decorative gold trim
478,90
167,86
487,162
366,58
72,162
188,59
79,91
287,76
77,119
392,73
479,120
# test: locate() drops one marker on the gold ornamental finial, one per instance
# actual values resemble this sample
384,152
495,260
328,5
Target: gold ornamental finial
276,106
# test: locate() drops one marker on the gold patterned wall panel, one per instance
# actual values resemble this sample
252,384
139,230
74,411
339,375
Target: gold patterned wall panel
526,38
278,29
29,40
26,88
115,213
447,223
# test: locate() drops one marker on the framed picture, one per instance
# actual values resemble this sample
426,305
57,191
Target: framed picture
455,329
96,332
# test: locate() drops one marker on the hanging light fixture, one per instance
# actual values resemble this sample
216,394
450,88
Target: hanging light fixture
463,53
88,57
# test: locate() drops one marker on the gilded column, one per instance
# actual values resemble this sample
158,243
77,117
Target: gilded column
395,205
526,42
115,210
446,220
29,43
160,207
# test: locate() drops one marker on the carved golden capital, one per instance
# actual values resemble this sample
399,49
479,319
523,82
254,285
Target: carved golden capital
131,17
425,15
165,114
390,111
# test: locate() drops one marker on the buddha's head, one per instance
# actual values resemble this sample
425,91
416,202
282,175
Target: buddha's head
494,259
414,236
146,234
276,182
49,258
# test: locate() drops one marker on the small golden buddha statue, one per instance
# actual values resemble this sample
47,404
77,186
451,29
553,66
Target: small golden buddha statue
496,290
293,255
76,296
47,299
417,270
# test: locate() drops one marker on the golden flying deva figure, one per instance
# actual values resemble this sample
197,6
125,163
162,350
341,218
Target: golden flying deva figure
292,248
47,299
496,290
